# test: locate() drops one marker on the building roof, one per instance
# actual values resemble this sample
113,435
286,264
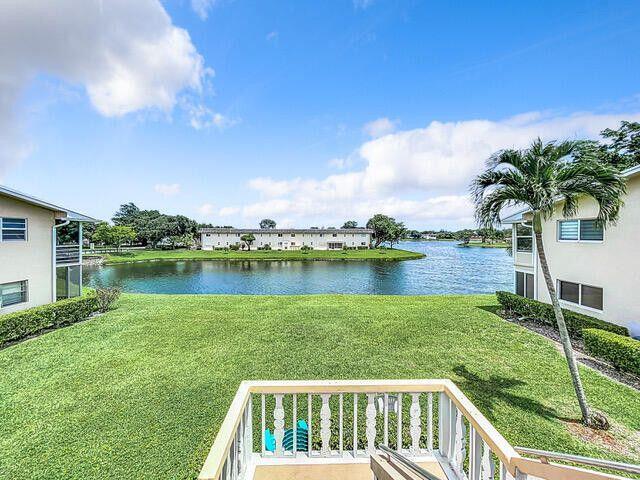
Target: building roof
518,216
285,230
68,214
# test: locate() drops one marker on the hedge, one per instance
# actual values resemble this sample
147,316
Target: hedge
543,313
18,325
622,352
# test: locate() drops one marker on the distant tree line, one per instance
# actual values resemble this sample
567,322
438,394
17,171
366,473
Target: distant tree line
486,234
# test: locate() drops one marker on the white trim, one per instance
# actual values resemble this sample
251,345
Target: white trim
70,214
26,230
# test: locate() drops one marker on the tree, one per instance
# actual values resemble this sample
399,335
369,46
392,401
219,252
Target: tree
381,226
622,149
396,233
538,177
350,224
267,223
248,239
102,234
120,234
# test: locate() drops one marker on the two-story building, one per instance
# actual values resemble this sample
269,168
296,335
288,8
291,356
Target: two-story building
288,238
34,269
596,270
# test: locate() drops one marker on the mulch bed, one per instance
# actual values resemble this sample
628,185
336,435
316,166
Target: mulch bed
551,333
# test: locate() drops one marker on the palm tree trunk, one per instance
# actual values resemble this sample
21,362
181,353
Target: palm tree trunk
587,417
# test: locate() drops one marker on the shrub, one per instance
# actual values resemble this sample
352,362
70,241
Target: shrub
18,325
305,248
543,313
267,247
622,352
234,247
106,297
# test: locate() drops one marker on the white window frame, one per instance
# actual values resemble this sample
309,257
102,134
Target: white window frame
26,293
579,304
579,240
533,279
524,236
26,230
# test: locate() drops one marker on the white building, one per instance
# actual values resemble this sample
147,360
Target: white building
597,271
33,269
288,238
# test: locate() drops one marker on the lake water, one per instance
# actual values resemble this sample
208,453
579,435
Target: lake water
446,268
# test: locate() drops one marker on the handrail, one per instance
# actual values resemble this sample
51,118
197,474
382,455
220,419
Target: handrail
592,462
408,463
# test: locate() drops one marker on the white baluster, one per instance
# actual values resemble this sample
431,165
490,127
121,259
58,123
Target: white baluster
341,444
294,451
414,424
475,454
325,425
355,424
486,466
263,423
459,446
385,438
278,424
443,424
248,433
430,422
371,423
309,414
399,429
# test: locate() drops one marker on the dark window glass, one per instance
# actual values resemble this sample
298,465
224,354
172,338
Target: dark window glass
528,285
62,286
589,230
569,292
524,244
14,229
592,297
568,229
13,293
520,283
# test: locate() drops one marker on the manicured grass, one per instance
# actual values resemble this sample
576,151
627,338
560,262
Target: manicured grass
181,254
141,391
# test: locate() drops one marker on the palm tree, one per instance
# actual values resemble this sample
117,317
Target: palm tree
538,177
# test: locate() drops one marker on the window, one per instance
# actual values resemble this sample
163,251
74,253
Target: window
13,293
524,285
293,234
580,230
68,282
585,295
335,234
279,234
570,292
524,238
13,229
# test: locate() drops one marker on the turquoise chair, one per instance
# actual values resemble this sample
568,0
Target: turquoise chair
302,438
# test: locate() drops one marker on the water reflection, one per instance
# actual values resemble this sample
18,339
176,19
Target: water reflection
446,269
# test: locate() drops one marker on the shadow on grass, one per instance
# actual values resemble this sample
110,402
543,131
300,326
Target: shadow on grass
490,308
486,392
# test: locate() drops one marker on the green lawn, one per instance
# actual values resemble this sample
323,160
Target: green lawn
141,391
181,254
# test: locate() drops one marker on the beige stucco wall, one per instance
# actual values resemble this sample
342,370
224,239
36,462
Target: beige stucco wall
30,260
613,265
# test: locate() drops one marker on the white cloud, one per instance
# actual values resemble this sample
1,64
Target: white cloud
420,175
206,209
128,56
202,7
167,189
228,211
272,36
202,117
362,4
380,127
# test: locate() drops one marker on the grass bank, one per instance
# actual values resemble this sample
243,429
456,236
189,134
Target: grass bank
390,254
141,391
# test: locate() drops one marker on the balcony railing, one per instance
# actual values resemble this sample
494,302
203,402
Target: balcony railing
67,254
345,423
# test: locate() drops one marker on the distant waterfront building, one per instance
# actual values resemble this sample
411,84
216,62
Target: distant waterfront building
288,238
428,236
35,270
596,270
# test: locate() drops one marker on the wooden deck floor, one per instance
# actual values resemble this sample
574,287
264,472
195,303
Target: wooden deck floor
329,471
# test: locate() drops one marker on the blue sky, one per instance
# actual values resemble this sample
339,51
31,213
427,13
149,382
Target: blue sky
310,113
